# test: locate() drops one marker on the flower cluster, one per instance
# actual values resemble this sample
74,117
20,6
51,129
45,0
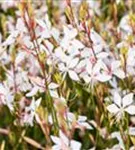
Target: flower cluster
69,73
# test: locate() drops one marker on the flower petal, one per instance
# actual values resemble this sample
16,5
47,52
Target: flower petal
82,118
117,99
119,73
103,77
130,110
64,138
73,63
112,108
53,85
127,100
73,75
56,140
54,93
75,145
32,92
86,125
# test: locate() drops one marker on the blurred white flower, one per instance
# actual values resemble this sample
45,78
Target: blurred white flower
122,105
125,25
30,112
69,67
98,42
120,140
6,98
69,34
80,122
52,89
64,143
46,30
96,72
131,131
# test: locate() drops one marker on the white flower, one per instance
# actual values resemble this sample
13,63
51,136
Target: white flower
11,38
6,98
22,81
96,72
80,123
46,30
69,67
34,105
52,89
124,24
46,27
117,70
98,42
122,105
39,85
63,143
69,35
33,91
30,112
119,138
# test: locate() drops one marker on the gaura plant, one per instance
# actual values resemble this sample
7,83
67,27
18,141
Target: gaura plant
67,75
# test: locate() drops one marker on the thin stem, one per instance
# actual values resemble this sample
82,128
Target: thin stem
42,66
14,77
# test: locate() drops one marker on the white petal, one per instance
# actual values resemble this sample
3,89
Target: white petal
95,37
56,147
73,75
115,65
49,45
127,100
119,73
102,55
71,117
11,38
119,138
77,44
75,145
87,78
64,138
20,25
131,131
38,101
47,21
32,92
20,57
130,110
73,63
85,52
62,67
70,33
60,54
82,118
97,48
81,64
53,85
117,99
55,33
46,34
98,66
9,102
56,140
112,108
89,67
86,125
54,94
41,23
103,77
